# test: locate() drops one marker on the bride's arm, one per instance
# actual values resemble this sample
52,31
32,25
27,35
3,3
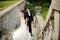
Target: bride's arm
27,28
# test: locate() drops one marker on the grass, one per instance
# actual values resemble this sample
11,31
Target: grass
44,13
5,4
45,7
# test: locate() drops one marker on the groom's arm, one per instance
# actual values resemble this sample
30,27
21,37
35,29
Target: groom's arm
31,16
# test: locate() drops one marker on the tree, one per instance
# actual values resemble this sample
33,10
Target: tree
39,1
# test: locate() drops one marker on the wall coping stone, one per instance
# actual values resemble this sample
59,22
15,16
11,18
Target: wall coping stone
9,8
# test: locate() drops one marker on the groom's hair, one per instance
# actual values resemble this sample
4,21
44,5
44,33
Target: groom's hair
22,10
25,14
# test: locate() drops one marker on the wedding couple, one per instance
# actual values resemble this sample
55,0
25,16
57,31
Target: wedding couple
24,32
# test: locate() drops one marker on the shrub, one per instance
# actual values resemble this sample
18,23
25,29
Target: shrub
32,8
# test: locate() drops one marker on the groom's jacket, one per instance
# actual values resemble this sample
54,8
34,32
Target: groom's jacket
30,17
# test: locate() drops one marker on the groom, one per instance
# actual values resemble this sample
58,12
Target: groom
29,14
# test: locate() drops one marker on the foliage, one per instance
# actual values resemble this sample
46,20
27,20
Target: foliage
45,8
31,7
43,3
36,1
46,5
44,12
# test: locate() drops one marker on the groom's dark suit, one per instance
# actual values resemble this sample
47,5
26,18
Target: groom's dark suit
30,20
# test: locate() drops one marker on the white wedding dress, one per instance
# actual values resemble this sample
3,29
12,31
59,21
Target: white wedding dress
22,33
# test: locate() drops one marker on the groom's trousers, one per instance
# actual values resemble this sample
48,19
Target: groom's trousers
30,29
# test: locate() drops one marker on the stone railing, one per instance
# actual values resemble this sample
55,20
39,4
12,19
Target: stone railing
51,27
46,32
38,22
9,20
38,17
8,16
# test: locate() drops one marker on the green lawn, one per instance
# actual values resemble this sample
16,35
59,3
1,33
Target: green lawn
44,9
5,4
44,13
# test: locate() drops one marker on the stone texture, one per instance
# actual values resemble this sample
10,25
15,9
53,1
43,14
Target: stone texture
56,4
1,24
10,19
56,25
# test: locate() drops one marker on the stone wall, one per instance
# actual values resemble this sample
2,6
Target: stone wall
1,23
8,17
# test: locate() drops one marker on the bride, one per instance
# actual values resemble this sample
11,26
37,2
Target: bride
22,33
